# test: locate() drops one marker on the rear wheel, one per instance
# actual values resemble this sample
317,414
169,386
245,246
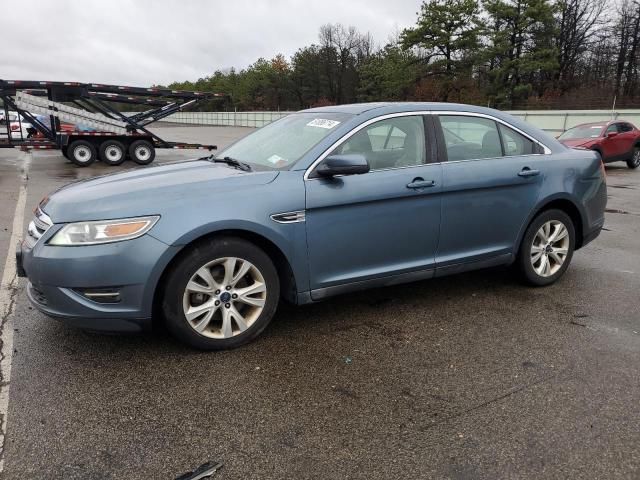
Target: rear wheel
142,152
547,248
634,161
221,294
112,152
82,153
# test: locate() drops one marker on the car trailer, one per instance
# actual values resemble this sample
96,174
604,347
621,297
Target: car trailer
93,128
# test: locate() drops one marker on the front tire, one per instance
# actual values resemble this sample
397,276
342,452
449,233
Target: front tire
634,161
82,153
546,248
221,294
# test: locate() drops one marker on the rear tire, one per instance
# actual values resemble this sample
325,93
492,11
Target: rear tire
82,153
221,293
546,248
634,161
112,152
142,152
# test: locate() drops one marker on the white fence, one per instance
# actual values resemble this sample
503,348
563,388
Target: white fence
553,121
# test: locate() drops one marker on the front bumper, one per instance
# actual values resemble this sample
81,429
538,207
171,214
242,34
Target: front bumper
60,277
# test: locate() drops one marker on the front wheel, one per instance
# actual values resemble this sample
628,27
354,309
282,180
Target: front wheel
547,248
221,294
82,153
634,161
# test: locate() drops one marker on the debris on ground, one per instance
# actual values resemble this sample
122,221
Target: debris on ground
202,472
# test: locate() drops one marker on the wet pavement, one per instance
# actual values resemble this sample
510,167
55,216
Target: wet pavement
465,377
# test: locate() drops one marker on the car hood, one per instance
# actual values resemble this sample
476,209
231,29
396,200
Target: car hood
147,191
578,142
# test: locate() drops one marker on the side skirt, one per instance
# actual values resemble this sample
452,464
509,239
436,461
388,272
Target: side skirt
504,259
323,293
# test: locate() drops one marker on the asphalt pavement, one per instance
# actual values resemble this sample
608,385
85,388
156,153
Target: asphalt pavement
472,376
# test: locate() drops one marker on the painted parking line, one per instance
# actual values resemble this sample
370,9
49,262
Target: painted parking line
8,292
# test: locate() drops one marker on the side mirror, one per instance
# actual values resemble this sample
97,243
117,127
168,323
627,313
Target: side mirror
611,134
348,164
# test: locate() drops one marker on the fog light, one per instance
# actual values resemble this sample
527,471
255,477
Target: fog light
101,295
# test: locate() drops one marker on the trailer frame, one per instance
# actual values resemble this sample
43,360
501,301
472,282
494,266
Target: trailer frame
94,104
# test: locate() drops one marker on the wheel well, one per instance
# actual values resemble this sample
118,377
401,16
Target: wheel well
288,289
568,207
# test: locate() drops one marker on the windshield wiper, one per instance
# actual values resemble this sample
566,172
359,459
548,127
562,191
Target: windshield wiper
232,162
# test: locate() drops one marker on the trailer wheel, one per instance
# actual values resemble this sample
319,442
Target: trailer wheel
112,152
142,152
82,153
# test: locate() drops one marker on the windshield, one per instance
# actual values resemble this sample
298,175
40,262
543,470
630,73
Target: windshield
282,143
585,131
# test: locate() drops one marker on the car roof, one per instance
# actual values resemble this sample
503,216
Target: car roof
396,107
604,123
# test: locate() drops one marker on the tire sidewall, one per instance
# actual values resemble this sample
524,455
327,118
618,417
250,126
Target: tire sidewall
634,162
197,256
524,255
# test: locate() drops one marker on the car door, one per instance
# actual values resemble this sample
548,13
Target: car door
491,181
611,146
626,138
380,227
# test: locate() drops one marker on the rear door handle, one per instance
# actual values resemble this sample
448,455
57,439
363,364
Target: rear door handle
527,172
419,183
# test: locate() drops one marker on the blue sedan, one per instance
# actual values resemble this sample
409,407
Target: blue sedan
320,203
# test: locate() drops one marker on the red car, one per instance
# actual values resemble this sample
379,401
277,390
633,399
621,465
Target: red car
615,141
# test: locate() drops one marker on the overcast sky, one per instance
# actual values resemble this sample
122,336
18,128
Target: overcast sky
144,42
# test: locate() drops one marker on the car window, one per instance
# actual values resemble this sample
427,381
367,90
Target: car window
469,138
624,127
613,128
391,143
515,143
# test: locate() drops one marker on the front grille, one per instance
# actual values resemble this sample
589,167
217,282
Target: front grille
38,226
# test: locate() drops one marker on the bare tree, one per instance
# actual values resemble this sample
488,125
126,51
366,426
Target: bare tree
345,48
578,22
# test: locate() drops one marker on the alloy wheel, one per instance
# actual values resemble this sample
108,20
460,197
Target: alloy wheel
550,248
224,297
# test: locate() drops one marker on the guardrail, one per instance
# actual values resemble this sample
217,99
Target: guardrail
553,121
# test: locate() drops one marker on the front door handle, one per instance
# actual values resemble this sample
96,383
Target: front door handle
527,172
419,183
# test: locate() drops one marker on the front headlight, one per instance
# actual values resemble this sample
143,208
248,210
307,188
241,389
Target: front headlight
103,231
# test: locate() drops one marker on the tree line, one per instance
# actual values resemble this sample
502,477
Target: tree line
509,54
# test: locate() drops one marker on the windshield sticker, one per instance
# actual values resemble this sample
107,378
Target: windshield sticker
322,123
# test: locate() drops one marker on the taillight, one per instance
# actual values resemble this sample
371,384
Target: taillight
15,127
